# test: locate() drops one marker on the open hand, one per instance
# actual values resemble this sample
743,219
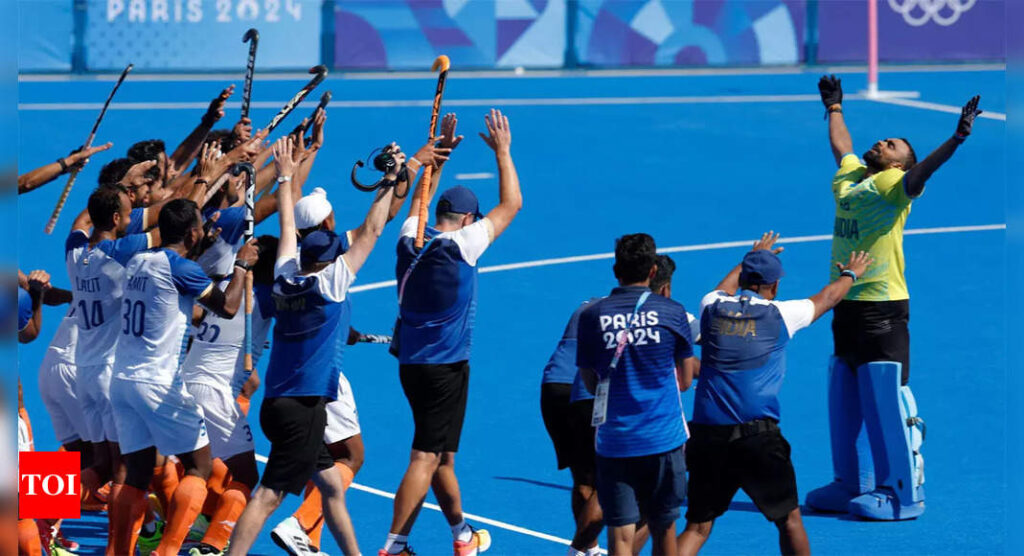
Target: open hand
284,151
859,263
767,242
448,138
319,121
499,136
80,157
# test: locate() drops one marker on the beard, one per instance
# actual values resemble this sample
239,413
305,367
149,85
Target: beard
873,160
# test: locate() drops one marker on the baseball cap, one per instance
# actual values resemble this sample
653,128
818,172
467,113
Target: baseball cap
319,247
312,210
760,267
461,200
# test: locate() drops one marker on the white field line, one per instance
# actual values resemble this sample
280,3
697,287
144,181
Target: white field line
473,517
475,176
598,256
937,107
419,103
688,248
510,73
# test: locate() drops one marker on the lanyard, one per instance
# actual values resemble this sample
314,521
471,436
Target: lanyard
408,271
624,338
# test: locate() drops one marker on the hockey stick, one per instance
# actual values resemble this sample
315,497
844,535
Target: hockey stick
250,186
252,36
88,143
443,64
302,127
320,73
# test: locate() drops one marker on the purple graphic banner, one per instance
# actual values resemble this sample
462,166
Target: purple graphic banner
913,30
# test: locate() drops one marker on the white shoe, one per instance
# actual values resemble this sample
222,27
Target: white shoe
289,536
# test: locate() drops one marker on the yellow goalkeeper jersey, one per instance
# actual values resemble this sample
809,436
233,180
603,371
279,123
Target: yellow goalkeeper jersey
870,214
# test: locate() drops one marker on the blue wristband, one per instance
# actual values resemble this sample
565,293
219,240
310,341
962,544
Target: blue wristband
850,273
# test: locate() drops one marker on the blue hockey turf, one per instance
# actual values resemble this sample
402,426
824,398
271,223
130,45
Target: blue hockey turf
697,161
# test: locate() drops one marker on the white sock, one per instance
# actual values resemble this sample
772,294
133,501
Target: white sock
574,552
395,543
593,551
461,531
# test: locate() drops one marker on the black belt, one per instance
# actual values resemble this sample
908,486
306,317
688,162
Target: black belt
730,433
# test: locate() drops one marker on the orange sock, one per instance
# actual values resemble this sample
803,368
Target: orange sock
185,506
243,404
28,538
232,504
164,483
219,480
128,507
315,501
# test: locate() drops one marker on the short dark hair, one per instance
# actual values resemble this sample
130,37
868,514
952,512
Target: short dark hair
114,171
666,266
911,158
104,203
447,216
149,149
177,219
263,270
635,254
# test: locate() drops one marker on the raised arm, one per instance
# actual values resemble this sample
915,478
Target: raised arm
831,90
225,303
833,293
731,283
510,198
285,165
189,148
45,174
427,153
370,230
915,178
38,283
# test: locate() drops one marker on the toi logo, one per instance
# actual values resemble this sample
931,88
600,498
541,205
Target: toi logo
49,485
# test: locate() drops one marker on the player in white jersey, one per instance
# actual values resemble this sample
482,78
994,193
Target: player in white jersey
95,263
214,373
152,408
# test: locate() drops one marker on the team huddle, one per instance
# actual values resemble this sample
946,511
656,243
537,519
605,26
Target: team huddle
173,299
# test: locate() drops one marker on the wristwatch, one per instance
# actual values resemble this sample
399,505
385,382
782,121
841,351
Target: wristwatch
243,265
850,273
284,179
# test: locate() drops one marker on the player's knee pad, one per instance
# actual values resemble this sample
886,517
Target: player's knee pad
895,430
851,451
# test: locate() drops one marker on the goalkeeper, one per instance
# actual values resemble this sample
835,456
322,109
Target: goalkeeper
876,433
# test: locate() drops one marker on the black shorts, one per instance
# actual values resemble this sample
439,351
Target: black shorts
652,487
720,464
437,395
865,331
295,427
568,425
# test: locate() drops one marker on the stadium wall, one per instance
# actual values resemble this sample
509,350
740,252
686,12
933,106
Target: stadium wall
205,35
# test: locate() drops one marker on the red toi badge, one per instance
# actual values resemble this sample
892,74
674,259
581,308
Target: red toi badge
49,485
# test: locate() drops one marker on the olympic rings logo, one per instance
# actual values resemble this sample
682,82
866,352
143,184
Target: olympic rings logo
920,12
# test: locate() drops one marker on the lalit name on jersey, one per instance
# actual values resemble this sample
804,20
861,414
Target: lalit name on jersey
191,11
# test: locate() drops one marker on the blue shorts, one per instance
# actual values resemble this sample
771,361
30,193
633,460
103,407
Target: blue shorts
651,486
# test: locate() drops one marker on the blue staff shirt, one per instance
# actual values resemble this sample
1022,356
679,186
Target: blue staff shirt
561,367
645,411
743,355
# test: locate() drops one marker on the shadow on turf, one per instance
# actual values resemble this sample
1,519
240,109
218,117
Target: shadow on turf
733,506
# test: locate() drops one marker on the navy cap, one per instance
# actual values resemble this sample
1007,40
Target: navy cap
320,246
760,267
461,200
